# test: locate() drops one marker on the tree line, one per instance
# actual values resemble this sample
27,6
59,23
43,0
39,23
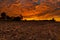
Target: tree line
18,18
7,18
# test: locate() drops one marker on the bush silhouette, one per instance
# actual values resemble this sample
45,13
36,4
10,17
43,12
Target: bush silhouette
8,18
21,17
18,18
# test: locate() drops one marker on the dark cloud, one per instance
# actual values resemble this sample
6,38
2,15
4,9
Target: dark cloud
56,12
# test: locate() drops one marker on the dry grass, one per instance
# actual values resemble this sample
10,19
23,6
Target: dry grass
29,31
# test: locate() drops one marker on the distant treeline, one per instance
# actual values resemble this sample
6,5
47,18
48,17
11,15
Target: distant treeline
7,18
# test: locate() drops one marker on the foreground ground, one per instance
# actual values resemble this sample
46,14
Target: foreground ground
29,30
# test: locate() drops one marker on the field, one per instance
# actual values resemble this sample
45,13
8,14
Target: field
29,30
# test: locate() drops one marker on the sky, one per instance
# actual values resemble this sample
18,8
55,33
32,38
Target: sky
32,9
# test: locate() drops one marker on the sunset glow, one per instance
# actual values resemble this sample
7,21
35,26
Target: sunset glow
32,9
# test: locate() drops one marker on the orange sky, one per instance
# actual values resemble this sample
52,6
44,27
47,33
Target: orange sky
32,9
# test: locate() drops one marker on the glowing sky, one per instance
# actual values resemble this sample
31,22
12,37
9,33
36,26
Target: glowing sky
32,9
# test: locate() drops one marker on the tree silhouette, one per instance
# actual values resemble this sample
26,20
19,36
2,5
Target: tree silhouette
53,20
3,15
6,17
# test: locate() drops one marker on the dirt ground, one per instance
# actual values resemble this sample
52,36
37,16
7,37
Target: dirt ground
29,30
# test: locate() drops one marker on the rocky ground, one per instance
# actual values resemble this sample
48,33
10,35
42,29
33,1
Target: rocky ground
29,30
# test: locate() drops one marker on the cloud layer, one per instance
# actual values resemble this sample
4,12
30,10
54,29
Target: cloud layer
31,9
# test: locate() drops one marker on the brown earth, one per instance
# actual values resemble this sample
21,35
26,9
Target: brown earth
29,30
